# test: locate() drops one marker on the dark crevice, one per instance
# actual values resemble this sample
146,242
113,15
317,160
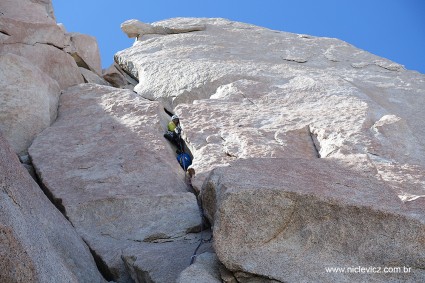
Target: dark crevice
230,155
205,224
51,44
296,60
141,275
315,141
80,61
57,202
168,112
125,71
101,265
32,44
3,32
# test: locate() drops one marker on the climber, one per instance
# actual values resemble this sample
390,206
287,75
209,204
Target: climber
173,133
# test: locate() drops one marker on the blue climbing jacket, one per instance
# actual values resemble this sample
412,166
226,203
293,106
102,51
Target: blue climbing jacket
184,160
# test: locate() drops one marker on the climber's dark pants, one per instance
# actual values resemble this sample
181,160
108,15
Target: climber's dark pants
175,139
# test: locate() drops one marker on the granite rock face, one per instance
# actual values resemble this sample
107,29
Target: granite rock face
28,100
37,244
292,219
309,154
29,31
244,92
37,12
241,91
114,175
205,269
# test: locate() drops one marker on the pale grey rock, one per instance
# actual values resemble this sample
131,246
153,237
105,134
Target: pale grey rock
106,162
134,28
90,77
290,219
59,65
28,100
85,51
37,11
37,243
241,89
32,33
29,30
204,270
33,82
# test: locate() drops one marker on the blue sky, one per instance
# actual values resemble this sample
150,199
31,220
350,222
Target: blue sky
393,29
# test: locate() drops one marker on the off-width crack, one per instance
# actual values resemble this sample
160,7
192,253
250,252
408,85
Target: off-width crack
101,265
57,202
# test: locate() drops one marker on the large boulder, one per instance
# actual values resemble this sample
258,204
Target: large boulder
36,11
134,28
37,244
29,30
56,63
85,51
28,100
293,220
110,170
